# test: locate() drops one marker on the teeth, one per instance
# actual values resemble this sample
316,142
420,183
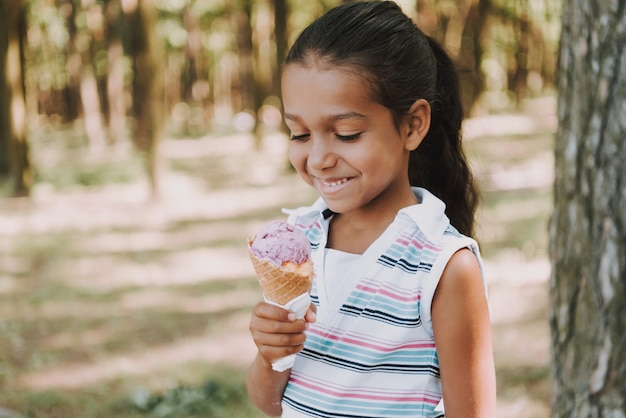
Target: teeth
335,183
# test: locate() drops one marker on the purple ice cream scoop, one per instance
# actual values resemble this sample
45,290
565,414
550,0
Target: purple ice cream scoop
279,242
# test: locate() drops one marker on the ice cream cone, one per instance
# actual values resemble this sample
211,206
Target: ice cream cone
280,284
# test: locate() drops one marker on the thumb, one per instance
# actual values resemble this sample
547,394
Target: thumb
311,313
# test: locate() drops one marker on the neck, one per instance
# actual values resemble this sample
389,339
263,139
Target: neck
355,231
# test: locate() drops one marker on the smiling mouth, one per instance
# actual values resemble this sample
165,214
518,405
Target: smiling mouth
334,183
332,186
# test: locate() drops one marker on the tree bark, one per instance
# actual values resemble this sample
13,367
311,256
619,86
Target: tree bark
71,91
146,52
588,227
13,96
281,13
115,115
280,37
5,103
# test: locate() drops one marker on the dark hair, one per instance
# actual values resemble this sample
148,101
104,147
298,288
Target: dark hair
402,65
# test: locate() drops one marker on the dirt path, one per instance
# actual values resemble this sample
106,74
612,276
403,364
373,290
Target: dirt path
92,256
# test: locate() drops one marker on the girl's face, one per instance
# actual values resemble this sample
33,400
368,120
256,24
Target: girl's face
343,143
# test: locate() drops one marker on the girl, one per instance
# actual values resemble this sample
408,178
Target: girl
399,317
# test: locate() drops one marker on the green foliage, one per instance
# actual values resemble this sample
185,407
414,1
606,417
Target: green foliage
64,161
212,399
88,174
79,298
218,397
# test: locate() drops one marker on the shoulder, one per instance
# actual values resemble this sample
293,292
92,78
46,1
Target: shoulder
463,265
461,285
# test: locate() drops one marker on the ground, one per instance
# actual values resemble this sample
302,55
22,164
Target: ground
104,288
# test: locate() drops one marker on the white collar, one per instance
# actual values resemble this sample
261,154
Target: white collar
429,214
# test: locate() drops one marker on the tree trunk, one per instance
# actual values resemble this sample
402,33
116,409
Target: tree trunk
116,112
250,98
588,227
281,13
143,47
280,37
460,31
13,96
470,56
71,91
5,102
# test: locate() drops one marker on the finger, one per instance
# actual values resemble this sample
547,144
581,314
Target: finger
311,314
269,311
271,326
280,340
271,354
274,346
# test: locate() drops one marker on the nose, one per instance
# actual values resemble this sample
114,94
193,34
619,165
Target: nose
321,154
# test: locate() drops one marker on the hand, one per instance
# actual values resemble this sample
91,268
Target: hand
276,331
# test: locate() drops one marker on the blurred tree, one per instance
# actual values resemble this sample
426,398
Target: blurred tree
73,64
281,13
249,93
49,64
192,68
92,34
588,227
458,27
224,57
143,45
510,32
114,108
14,158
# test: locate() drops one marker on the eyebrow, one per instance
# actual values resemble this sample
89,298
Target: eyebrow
340,116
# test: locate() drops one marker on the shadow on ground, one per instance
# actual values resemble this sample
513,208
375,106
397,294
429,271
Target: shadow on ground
105,294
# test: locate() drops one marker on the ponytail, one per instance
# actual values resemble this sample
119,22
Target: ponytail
439,163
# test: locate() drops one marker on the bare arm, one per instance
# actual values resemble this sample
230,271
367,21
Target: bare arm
276,334
463,337
266,387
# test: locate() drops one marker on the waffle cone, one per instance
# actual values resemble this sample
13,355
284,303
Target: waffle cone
280,284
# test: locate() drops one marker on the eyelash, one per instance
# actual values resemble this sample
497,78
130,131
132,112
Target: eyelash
340,137
299,137
348,137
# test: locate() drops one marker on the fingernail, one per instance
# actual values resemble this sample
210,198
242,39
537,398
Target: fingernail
291,316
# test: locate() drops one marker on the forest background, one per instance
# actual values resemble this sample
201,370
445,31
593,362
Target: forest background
141,142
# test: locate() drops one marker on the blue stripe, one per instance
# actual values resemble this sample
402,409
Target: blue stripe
404,265
410,322
327,406
414,369
371,356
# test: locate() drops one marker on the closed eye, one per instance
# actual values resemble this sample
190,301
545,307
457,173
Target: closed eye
299,137
349,137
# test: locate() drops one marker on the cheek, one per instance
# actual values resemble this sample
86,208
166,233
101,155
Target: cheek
297,157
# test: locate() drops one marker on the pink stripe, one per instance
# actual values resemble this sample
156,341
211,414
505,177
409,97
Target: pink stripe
398,297
388,285
366,289
374,396
418,244
394,294
362,343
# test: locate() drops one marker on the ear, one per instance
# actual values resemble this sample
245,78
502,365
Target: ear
417,124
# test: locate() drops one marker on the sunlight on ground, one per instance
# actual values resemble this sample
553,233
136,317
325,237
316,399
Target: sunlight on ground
121,257
233,348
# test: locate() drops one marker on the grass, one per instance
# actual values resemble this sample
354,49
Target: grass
111,306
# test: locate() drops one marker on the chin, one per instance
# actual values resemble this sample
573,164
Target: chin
335,207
